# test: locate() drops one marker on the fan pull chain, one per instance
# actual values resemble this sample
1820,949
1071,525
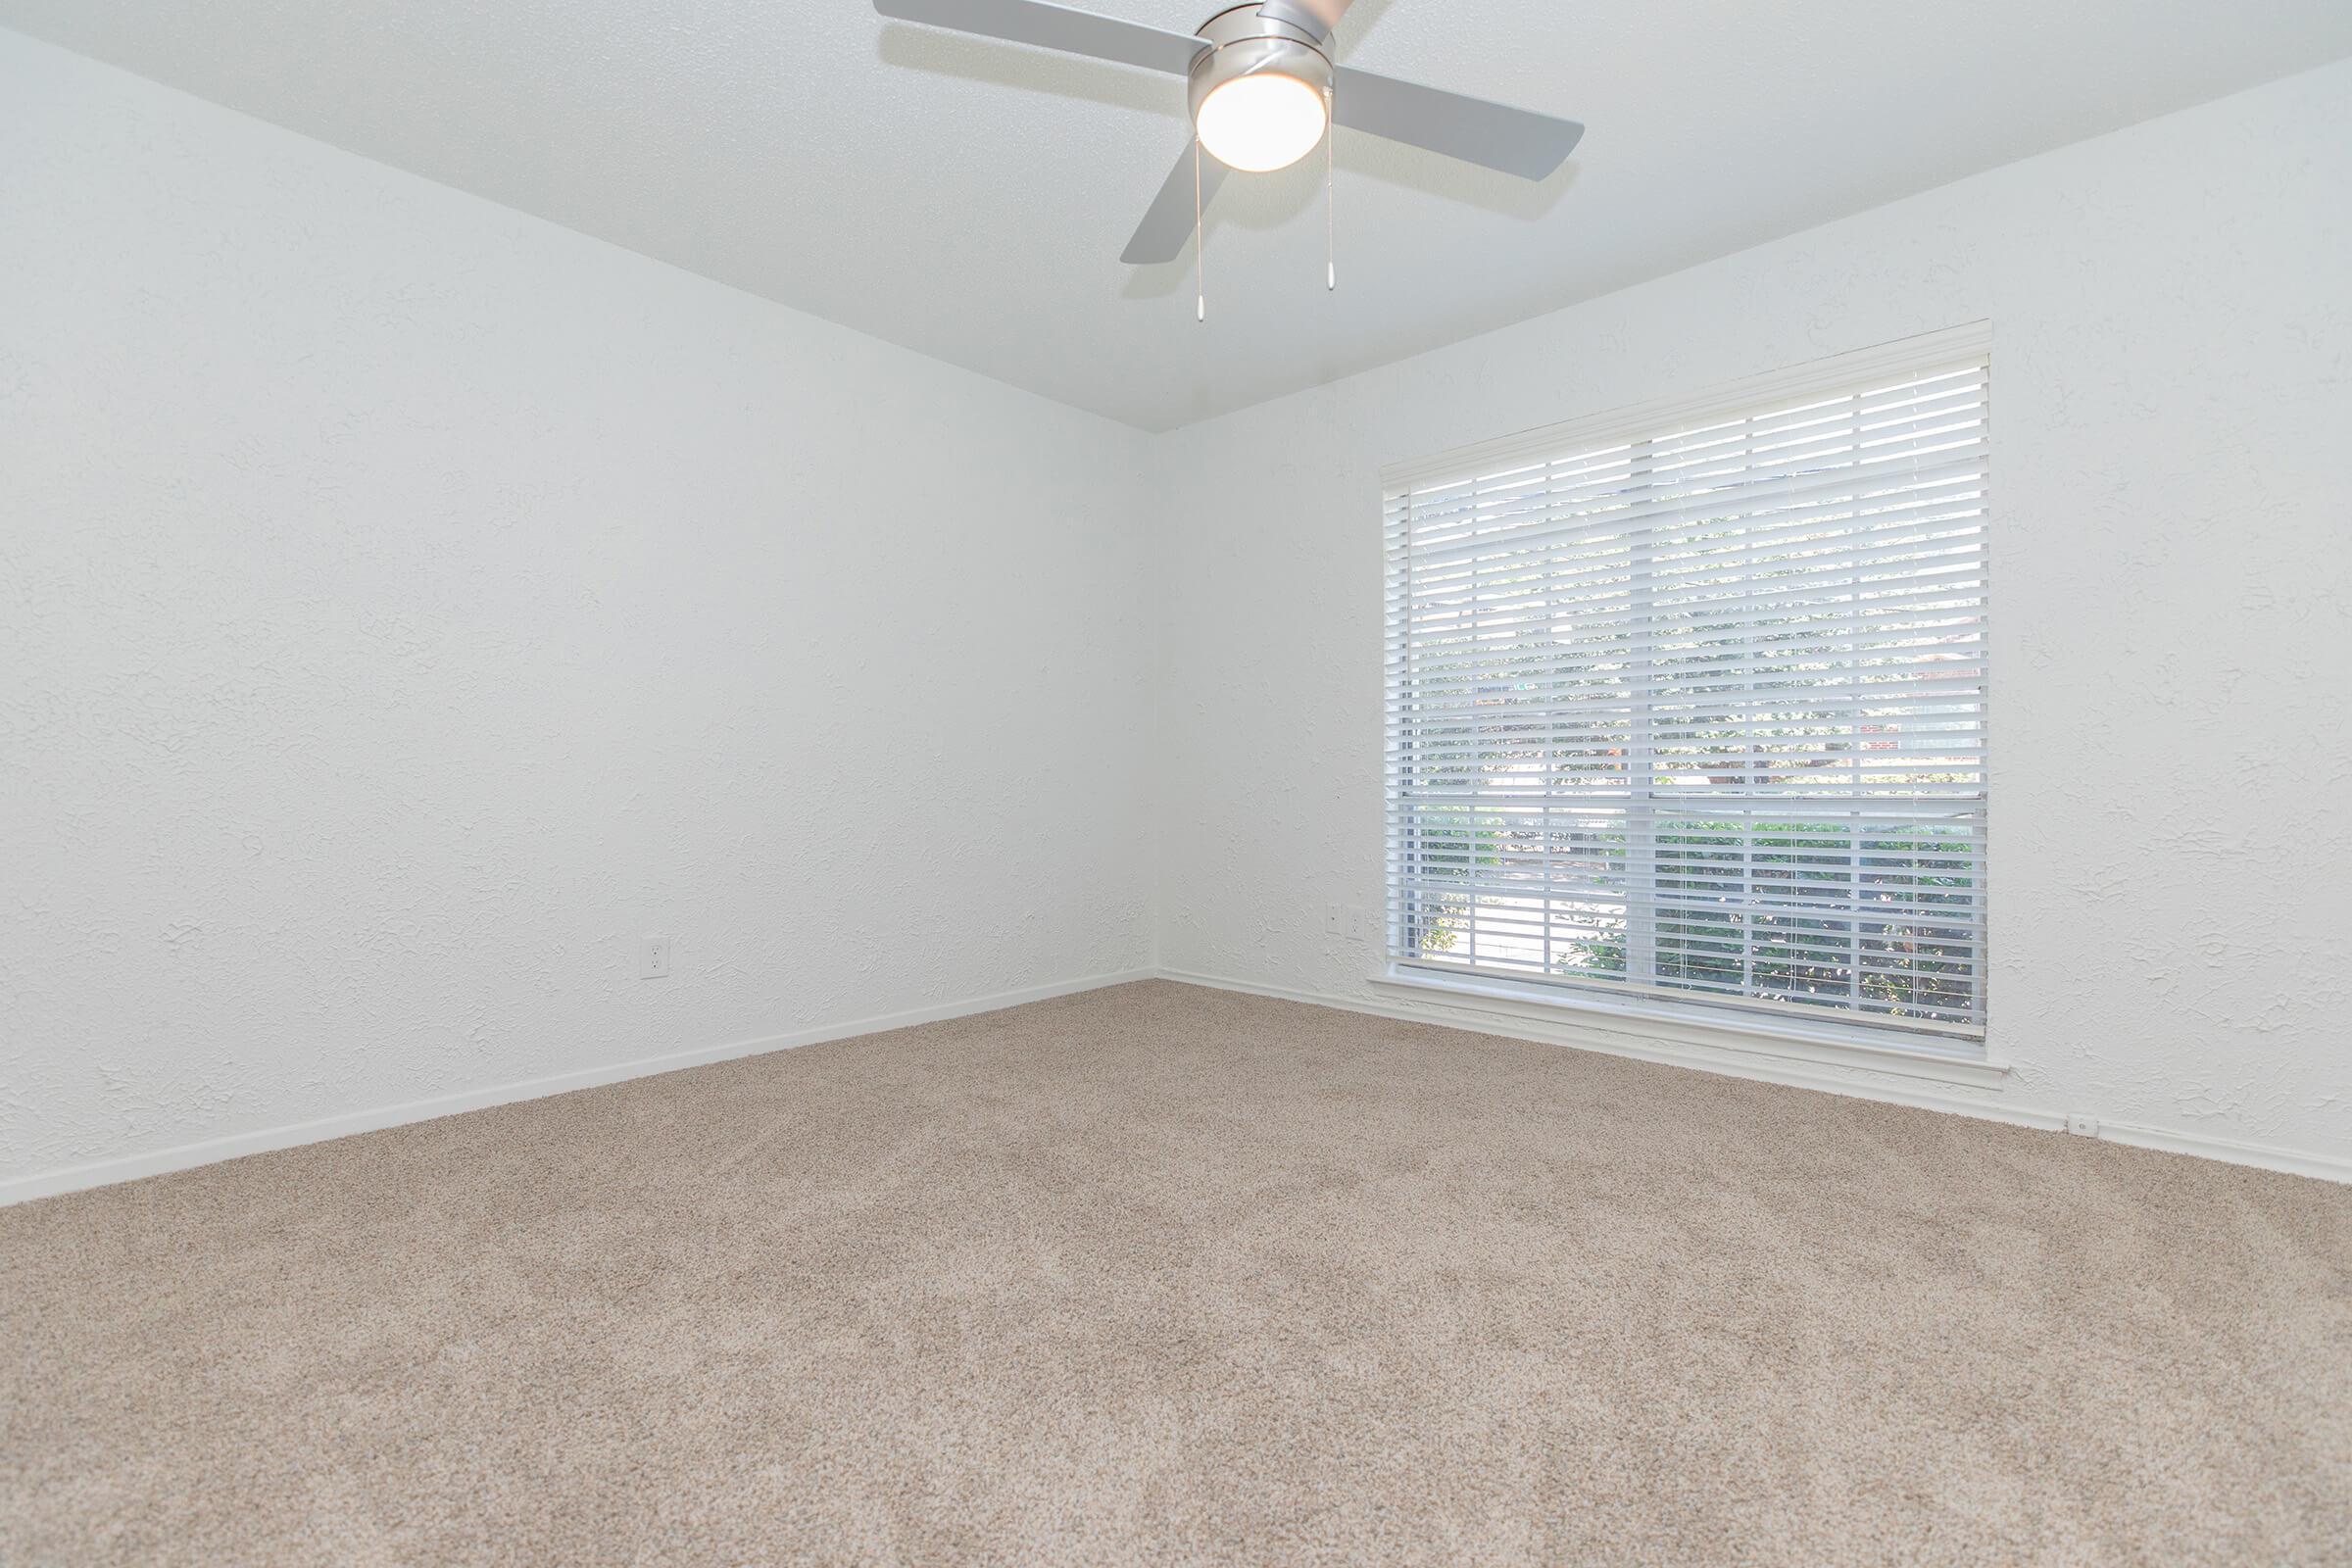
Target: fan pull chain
1331,223
1200,244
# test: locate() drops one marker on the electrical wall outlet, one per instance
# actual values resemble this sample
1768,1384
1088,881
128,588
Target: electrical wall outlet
653,958
2083,1126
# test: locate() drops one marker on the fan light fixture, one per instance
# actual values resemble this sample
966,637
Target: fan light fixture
1259,92
1260,122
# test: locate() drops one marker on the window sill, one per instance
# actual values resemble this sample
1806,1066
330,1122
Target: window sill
1789,1041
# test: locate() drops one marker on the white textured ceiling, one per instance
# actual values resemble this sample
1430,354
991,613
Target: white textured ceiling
969,199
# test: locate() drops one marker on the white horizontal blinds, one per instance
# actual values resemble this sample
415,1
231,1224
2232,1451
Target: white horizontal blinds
1699,713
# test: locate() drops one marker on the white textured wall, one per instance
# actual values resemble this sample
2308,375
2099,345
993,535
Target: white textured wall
406,604
2172,567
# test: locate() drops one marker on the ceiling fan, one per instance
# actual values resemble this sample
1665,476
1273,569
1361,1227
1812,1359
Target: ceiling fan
1263,91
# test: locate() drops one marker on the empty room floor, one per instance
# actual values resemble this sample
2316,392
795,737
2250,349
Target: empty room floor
1166,1274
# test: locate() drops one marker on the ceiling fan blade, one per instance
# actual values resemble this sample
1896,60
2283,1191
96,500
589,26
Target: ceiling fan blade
1161,236
1517,141
1051,27
1317,17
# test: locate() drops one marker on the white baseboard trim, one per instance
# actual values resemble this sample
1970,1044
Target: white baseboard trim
1766,1069
130,1167
2262,1157
185,1156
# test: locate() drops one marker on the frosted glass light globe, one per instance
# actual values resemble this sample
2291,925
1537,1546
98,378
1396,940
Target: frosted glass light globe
1260,123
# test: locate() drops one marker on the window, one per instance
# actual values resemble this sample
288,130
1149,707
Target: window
1688,706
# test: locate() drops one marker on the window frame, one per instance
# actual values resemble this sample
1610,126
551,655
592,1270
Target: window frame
1808,1031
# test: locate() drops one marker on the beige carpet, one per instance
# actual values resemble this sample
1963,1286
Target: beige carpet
1163,1274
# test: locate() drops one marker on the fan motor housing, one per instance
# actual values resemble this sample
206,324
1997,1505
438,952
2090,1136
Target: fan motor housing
1245,44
